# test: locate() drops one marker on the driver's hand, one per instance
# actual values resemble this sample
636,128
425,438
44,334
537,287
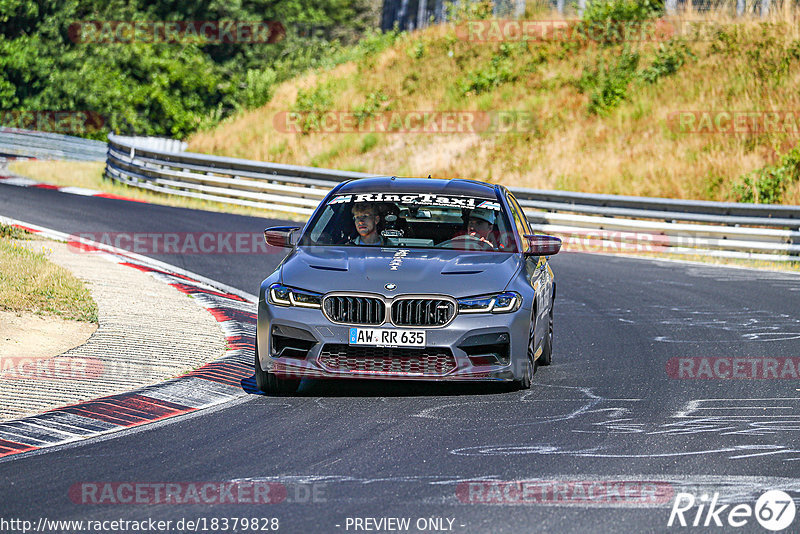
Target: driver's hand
483,239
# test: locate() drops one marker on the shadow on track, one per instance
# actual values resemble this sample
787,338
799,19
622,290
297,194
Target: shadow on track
351,387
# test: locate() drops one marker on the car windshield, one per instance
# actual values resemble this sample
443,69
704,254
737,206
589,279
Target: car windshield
412,220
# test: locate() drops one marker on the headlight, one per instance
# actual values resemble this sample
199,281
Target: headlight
290,296
500,303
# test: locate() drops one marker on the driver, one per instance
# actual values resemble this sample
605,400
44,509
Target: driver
366,220
480,224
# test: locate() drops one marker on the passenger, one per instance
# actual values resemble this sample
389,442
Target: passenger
367,221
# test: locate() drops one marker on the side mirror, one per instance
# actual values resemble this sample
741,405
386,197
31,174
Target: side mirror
280,236
542,245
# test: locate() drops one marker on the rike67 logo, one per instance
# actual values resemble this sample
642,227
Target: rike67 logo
774,510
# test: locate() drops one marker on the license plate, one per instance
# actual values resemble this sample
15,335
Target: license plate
387,337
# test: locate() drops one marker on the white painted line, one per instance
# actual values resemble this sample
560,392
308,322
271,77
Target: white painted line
19,181
193,392
81,422
79,191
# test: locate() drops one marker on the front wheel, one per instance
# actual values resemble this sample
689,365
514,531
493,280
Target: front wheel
530,365
271,384
547,350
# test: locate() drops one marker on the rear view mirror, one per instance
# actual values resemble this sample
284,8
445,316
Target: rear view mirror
542,245
280,236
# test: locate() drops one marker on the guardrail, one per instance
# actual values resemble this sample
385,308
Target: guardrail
601,223
16,143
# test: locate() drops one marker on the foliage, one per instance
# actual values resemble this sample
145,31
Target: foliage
622,10
258,87
770,61
608,21
374,102
368,143
416,50
13,232
767,185
374,42
163,88
769,57
607,83
501,69
312,103
669,58
471,10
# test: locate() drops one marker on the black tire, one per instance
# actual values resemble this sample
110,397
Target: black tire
271,384
530,369
546,357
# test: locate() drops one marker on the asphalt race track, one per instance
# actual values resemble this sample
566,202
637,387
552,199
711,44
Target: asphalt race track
606,414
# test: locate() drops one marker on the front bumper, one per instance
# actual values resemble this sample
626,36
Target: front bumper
303,343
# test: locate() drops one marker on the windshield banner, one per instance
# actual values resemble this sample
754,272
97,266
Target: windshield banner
427,199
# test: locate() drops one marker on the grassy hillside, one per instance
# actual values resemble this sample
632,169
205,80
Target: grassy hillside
602,113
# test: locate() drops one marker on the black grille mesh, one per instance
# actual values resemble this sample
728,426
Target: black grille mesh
422,312
386,361
355,310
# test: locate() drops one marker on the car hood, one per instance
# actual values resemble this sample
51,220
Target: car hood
451,272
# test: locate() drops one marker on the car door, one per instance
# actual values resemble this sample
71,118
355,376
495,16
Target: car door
533,271
536,269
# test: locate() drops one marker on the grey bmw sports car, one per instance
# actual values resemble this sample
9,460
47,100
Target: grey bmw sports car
408,279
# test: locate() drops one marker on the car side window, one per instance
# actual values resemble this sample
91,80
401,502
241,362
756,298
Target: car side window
519,220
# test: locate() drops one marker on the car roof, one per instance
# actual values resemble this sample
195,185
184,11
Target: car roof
394,184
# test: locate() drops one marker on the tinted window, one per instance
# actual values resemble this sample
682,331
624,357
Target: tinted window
412,220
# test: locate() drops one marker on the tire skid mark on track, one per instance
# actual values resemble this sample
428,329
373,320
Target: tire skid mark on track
577,401
730,326
752,424
222,380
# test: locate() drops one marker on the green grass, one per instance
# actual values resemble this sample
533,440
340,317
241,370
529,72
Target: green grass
29,282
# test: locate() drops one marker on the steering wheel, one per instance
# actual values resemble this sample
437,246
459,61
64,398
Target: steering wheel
467,242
